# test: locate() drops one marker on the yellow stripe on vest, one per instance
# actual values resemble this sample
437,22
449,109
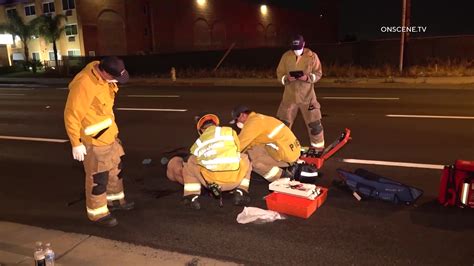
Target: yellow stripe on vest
95,128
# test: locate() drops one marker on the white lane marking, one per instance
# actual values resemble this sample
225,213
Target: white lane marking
62,88
153,96
360,98
11,94
152,109
34,139
432,116
16,89
400,164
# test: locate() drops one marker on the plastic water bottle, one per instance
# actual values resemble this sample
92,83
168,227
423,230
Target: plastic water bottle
49,255
39,255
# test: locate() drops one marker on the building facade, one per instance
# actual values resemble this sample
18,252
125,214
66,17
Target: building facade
129,27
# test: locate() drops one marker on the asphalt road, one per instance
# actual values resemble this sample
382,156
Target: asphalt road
38,179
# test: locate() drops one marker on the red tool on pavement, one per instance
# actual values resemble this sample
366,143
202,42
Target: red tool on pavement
317,159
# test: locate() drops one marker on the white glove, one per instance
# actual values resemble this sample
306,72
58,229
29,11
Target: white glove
79,152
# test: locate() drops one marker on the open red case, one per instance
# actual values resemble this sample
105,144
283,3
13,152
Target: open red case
317,158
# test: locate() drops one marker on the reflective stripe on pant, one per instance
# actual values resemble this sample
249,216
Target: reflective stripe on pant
193,178
103,183
287,112
264,164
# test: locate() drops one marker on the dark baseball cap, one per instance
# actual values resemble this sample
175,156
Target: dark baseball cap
115,67
237,111
297,42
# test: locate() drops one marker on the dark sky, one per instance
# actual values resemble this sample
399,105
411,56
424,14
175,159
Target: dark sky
364,18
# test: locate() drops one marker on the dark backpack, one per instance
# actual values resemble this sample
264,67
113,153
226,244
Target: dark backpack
371,185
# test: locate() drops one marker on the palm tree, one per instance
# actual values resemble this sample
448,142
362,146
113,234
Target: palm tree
17,27
50,28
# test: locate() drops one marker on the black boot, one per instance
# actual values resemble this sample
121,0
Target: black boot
116,206
241,197
107,221
192,202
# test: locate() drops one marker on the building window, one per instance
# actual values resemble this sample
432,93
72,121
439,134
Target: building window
51,56
10,11
74,52
48,8
35,56
70,30
30,10
68,4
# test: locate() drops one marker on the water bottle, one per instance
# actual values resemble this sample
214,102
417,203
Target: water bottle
49,255
39,255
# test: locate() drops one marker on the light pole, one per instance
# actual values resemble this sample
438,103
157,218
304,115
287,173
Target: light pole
402,37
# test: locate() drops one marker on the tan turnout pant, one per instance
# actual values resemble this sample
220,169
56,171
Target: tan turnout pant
193,179
102,166
311,112
264,164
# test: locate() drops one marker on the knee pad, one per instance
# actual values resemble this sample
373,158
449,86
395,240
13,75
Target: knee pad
316,127
101,180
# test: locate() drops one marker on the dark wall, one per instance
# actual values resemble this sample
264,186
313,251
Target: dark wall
368,53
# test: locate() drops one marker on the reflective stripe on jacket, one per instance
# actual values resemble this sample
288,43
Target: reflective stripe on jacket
88,115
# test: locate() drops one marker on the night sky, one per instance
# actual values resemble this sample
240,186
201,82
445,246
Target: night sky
364,18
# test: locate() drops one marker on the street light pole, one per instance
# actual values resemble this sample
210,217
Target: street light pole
402,38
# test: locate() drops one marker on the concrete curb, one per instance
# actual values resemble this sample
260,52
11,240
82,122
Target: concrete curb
17,243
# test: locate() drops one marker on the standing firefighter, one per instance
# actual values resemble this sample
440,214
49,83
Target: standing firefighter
215,162
271,145
298,70
90,125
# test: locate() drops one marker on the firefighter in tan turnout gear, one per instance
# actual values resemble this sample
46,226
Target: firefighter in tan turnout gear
270,144
90,125
215,161
299,69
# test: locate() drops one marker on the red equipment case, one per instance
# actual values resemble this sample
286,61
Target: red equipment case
457,184
317,158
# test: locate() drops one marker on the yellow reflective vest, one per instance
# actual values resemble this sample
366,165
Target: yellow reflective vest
88,115
280,141
218,153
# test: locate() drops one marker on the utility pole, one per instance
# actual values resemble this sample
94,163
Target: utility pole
406,49
405,36
402,37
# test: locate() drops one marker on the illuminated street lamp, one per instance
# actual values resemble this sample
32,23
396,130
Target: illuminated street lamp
263,9
201,3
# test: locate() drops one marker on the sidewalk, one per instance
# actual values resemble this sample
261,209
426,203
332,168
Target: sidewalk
17,243
428,82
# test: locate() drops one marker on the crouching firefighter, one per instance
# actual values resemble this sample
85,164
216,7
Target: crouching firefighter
271,145
215,162
90,125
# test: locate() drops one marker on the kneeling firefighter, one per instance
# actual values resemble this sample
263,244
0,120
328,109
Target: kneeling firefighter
215,163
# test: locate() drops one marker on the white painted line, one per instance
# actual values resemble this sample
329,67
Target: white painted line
432,116
17,89
152,109
400,164
153,96
11,94
360,98
34,139
62,88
